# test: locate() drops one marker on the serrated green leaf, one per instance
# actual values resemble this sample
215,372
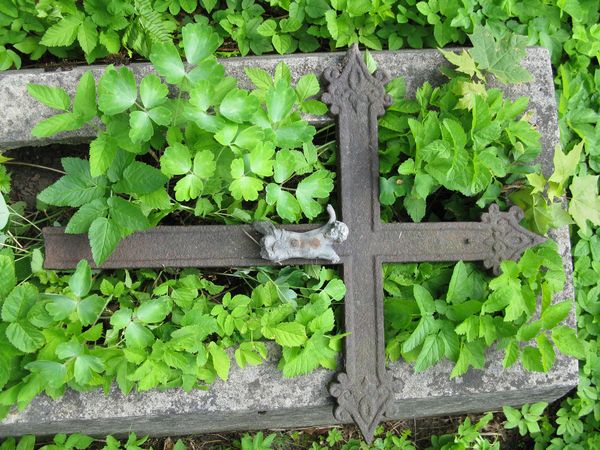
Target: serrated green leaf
199,42
80,221
280,100
141,127
152,91
57,124
176,160
238,106
25,336
104,236
116,91
317,185
53,97
88,35
81,281
167,62
84,104
567,342
127,214
103,150
63,32
220,360
140,178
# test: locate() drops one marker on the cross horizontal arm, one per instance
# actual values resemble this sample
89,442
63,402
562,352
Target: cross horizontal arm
168,246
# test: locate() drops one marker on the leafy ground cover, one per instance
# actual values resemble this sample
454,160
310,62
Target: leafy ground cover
568,29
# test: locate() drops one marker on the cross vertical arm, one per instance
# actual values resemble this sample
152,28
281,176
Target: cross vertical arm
358,98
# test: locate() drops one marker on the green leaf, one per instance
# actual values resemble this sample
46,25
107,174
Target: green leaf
141,127
76,188
431,352
161,115
127,214
152,91
140,178
501,58
565,165
556,313
90,308
199,42
81,281
280,100
471,354
153,311
585,202
307,86
19,302
88,35
176,160
138,335
62,33
261,159
8,278
103,150
220,360
238,106
59,306
54,373
290,334
25,336
56,124
167,62
104,236
317,185
531,358
336,289
511,353
567,342
53,97
84,366
243,186
260,77
84,104
285,165
117,91
80,221
287,206
464,62
546,351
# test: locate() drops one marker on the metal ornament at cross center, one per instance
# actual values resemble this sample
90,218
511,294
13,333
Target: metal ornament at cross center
357,98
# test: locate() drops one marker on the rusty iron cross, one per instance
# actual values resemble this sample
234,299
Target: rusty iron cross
357,98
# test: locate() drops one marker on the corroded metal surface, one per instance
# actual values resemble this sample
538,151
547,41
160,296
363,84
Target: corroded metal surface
357,98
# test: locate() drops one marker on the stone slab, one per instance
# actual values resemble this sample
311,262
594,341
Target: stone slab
20,112
258,397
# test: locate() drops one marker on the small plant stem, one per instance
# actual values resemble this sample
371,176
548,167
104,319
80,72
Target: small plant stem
18,163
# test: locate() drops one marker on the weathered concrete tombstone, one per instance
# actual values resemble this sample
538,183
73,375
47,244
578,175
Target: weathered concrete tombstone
366,392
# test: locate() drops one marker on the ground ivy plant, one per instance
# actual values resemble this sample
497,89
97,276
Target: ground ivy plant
213,150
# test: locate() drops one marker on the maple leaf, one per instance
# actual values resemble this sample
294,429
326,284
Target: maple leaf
500,57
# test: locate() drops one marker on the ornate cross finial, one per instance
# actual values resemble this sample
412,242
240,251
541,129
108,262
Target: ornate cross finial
354,86
508,239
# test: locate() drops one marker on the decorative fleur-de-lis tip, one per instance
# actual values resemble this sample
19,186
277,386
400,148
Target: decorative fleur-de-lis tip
353,84
365,402
508,238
